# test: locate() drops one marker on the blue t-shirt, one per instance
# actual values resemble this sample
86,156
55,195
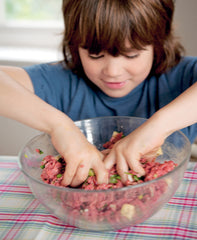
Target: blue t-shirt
80,99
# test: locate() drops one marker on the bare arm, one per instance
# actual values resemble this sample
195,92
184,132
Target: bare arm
180,113
19,75
17,101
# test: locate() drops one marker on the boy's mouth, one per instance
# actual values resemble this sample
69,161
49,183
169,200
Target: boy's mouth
115,85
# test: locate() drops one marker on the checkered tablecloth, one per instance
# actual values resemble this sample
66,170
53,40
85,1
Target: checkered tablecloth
22,217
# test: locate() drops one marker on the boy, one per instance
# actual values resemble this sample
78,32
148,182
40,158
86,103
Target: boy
121,58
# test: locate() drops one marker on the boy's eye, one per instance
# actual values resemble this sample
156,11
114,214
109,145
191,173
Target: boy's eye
132,56
95,56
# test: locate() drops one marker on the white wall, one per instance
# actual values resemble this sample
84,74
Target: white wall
185,24
13,135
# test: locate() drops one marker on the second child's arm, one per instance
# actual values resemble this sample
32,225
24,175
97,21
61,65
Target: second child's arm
17,101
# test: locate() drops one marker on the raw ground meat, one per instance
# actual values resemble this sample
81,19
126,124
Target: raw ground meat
54,167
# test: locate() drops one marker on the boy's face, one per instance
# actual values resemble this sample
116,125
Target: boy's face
117,76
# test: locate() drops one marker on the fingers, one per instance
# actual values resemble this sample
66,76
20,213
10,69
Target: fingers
136,166
69,173
110,159
106,151
83,170
81,174
102,174
122,168
76,173
123,162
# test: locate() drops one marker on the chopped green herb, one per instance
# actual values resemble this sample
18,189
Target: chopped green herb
39,151
91,172
136,178
114,178
59,175
42,166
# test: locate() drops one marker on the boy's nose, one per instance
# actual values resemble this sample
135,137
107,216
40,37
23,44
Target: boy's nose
112,67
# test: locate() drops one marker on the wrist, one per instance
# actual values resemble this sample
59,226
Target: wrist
164,122
58,120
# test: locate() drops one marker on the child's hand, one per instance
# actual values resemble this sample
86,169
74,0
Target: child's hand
127,152
79,155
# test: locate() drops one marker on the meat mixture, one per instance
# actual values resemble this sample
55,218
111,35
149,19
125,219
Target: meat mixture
54,167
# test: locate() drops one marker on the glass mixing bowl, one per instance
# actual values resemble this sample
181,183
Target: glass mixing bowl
112,209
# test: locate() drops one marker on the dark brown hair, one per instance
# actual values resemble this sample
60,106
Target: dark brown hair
104,25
